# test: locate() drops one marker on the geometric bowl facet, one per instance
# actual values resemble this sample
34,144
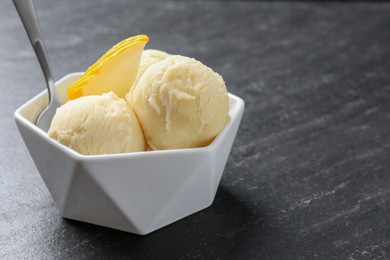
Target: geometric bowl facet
136,192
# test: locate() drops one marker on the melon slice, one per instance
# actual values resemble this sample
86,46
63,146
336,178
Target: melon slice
115,71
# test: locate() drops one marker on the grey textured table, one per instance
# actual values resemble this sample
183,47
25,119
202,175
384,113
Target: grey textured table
309,173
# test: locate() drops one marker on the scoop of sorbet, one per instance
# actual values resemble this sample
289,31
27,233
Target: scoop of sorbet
101,124
148,58
180,103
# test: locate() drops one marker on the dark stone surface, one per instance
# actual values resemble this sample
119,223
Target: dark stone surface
309,174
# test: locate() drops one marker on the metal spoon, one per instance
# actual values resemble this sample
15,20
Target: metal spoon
29,19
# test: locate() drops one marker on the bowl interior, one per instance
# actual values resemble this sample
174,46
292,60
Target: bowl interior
34,107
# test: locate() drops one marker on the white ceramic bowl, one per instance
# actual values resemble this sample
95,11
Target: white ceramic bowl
135,192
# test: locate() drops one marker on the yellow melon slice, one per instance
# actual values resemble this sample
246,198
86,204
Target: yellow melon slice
115,71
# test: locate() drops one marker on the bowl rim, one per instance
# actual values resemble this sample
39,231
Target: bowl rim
234,113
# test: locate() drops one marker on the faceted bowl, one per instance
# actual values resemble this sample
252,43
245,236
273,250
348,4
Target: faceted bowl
135,192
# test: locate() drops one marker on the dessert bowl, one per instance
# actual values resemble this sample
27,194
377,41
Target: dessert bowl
136,192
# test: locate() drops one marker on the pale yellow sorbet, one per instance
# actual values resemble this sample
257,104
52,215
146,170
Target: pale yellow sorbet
98,124
148,58
180,103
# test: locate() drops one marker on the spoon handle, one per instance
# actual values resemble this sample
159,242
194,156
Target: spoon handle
30,22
